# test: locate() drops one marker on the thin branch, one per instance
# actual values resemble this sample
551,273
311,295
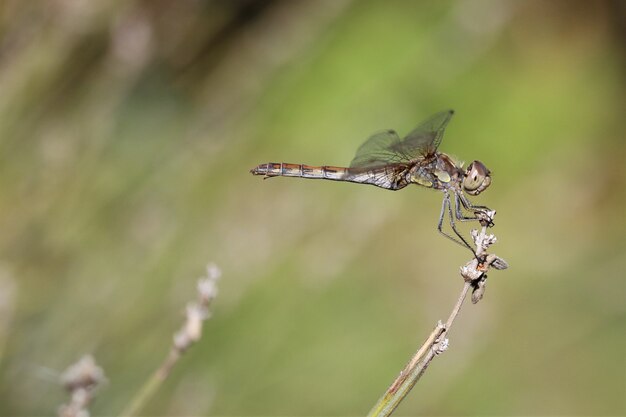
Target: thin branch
190,332
474,275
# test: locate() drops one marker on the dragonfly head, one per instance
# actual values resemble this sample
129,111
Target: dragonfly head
477,178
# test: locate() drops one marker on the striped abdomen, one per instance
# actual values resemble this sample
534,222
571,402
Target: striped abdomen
281,169
393,177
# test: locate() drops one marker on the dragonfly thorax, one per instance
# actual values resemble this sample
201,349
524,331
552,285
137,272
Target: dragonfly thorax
439,172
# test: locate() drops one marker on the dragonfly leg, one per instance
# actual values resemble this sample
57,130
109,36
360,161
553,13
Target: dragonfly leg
478,212
453,225
446,208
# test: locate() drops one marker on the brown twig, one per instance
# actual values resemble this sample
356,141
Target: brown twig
474,274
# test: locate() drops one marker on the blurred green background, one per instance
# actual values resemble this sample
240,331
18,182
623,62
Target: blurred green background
127,130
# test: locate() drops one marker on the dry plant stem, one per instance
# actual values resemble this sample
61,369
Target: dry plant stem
151,385
416,367
435,343
191,331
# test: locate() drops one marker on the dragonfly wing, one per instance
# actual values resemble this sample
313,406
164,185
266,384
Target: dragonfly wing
425,138
379,150
386,148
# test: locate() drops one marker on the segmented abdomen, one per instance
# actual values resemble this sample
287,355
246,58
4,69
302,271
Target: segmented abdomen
274,169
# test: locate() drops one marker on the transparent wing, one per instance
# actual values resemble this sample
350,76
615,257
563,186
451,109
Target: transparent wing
386,148
425,139
378,150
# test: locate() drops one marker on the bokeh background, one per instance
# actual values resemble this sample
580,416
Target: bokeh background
127,130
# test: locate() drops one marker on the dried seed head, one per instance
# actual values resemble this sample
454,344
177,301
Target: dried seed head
499,263
441,346
197,312
486,218
207,289
479,290
482,241
83,374
207,286
470,271
213,272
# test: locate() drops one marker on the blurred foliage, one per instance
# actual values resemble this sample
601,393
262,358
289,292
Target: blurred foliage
127,130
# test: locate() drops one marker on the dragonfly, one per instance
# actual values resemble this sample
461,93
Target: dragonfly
386,161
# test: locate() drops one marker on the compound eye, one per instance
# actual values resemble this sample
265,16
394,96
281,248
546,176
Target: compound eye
476,178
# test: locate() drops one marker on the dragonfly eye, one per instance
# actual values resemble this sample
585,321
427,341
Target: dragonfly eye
477,178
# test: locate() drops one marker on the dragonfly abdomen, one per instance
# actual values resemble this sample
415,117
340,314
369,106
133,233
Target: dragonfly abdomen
281,169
